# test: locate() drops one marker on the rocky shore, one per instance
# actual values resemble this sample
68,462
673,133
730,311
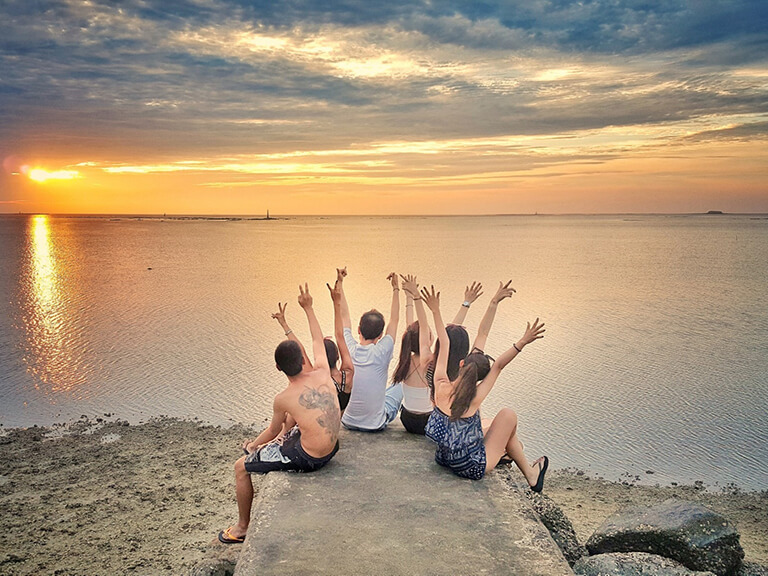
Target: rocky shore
100,496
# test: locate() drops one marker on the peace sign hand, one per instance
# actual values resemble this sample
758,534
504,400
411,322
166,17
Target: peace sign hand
280,314
305,299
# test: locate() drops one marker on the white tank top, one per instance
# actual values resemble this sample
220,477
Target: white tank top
416,399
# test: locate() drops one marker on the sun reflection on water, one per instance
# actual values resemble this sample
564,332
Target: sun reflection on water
50,352
43,270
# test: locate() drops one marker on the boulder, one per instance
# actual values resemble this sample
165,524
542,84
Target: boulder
694,535
559,526
752,569
632,564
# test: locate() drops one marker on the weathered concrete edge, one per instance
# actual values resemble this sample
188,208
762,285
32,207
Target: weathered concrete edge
503,488
270,488
509,494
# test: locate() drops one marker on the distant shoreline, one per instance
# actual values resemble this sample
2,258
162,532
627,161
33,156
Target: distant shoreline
253,217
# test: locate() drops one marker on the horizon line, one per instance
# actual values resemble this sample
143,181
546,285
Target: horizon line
283,216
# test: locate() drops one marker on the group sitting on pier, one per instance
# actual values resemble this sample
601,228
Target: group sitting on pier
437,393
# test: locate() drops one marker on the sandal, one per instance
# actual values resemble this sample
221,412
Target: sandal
226,537
543,463
504,460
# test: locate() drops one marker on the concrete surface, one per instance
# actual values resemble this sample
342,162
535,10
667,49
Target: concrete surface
383,506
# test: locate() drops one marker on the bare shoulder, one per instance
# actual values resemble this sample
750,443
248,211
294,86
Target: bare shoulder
283,397
318,384
443,391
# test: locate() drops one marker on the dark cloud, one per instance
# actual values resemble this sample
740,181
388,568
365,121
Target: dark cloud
741,132
156,74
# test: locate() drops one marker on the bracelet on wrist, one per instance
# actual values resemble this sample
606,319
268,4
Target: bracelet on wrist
516,348
289,332
466,303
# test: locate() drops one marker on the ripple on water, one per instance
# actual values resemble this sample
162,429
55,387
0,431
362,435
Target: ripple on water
655,354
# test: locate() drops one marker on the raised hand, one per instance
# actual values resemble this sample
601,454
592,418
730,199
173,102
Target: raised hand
504,291
280,314
393,280
532,332
341,273
410,285
431,299
335,291
305,300
472,293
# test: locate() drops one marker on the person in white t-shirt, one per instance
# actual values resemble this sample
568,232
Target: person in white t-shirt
371,404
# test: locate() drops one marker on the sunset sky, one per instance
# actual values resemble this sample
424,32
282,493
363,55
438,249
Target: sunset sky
396,107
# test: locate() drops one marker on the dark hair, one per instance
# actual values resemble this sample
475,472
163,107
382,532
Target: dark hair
289,358
408,345
331,352
372,325
476,367
457,351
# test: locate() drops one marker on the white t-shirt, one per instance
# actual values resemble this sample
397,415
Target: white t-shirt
366,403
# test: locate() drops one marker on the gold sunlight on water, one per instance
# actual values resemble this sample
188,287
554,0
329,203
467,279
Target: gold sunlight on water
48,355
43,267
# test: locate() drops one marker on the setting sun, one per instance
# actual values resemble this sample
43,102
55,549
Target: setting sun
41,175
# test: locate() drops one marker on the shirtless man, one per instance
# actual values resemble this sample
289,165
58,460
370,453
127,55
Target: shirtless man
309,404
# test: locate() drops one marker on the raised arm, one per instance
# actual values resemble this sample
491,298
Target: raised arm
411,288
394,313
432,300
504,291
346,319
408,304
532,333
338,326
471,293
280,317
318,346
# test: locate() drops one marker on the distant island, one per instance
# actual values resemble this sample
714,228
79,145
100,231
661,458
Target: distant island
715,212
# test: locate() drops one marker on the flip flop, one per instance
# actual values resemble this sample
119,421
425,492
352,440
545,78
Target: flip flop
539,486
506,459
226,537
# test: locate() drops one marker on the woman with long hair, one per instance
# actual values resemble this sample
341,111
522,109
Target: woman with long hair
416,362
455,424
416,366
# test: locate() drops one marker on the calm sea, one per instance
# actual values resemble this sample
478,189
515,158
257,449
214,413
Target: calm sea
655,356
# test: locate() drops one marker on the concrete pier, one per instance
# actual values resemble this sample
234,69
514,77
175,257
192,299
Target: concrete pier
383,506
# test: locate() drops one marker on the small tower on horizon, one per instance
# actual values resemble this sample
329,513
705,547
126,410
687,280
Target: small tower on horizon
268,218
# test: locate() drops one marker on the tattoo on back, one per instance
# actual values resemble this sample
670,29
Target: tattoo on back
326,402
